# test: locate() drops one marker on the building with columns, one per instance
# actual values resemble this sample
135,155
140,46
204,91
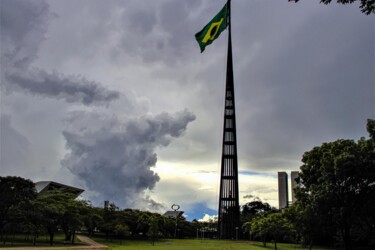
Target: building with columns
283,189
294,184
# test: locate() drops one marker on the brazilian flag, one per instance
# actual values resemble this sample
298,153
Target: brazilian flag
213,29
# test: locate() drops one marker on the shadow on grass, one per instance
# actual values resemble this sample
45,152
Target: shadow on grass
194,244
41,241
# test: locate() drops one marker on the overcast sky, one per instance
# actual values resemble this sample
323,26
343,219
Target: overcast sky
115,97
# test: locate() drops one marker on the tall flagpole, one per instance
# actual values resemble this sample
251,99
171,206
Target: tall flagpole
229,210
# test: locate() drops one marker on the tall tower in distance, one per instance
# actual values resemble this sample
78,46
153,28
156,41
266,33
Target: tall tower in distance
229,209
283,189
293,176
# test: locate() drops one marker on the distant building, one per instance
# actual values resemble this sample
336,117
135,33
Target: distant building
173,214
43,187
293,182
283,189
106,204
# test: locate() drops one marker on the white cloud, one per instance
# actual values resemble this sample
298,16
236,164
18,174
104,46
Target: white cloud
209,218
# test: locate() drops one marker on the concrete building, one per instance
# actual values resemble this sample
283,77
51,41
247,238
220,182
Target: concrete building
45,186
293,176
283,189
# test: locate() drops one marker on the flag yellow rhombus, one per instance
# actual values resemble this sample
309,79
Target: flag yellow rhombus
213,29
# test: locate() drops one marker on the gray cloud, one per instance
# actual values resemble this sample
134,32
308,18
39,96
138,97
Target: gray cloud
114,157
249,196
14,148
23,29
68,88
298,88
159,33
23,25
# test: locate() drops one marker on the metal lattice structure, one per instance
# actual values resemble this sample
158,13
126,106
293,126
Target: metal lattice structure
229,210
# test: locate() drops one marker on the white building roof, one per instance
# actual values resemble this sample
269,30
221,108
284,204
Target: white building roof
45,186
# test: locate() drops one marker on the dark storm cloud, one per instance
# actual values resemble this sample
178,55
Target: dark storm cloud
68,88
113,157
23,29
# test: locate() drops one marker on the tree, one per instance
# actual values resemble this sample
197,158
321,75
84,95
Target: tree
72,218
35,219
337,185
92,219
143,222
367,6
169,227
371,128
311,229
153,229
250,211
253,209
259,228
51,206
110,219
278,227
130,217
122,230
60,209
271,225
187,229
15,194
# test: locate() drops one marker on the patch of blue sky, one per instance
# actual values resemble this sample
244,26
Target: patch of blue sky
198,211
253,173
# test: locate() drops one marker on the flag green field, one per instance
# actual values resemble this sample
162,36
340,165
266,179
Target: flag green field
213,29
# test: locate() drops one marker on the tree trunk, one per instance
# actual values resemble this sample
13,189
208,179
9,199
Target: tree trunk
13,238
51,235
68,234
34,239
5,236
347,239
73,236
264,240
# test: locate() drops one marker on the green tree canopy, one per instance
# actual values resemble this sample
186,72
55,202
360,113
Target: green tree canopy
15,195
254,208
153,229
92,219
338,186
366,6
271,225
60,209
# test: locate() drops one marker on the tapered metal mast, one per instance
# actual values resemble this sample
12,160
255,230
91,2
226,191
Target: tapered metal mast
229,210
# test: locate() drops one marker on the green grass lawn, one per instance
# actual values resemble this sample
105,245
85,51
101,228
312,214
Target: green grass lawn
179,244
194,244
